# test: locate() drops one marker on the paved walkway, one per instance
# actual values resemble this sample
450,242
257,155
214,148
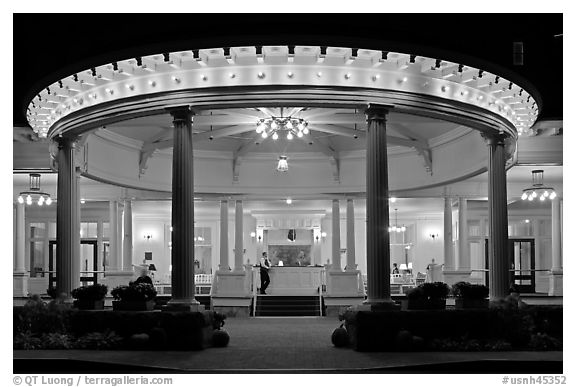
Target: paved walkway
297,344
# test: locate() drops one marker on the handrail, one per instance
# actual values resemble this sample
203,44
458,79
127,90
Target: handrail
320,291
254,292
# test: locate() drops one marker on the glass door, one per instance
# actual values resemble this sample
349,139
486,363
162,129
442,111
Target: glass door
522,264
88,263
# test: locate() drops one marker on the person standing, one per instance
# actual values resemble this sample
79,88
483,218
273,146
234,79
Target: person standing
264,276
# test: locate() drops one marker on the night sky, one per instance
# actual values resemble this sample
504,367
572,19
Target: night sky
49,47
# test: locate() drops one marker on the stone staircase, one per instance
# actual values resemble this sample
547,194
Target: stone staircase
281,306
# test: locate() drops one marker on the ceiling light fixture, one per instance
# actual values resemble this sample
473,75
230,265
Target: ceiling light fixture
272,126
35,193
396,228
282,164
538,189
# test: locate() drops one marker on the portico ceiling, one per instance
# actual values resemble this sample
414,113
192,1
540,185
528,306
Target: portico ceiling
233,130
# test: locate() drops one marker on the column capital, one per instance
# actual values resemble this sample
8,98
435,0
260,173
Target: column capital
181,113
67,140
494,138
376,112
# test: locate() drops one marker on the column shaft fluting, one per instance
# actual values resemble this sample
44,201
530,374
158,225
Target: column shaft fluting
20,265
67,220
350,236
448,249
498,273
127,233
238,237
113,261
377,237
556,236
336,262
463,251
183,286
224,261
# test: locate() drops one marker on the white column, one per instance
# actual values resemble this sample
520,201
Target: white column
336,264
463,253
20,276
127,243
350,237
239,237
113,259
556,236
224,261
448,252
556,272
20,266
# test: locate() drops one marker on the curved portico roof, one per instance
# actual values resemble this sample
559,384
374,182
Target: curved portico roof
281,76
230,89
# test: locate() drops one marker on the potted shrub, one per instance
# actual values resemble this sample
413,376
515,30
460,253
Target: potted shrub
134,297
90,297
427,296
470,296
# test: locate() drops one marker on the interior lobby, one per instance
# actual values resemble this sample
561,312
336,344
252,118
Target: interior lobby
338,161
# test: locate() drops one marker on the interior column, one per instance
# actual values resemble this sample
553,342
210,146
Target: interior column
113,261
20,266
463,251
498,271
556,272
19,272
336,262
350,237
67,220
224,262
183,286
239,237
448,250
377,237
127,242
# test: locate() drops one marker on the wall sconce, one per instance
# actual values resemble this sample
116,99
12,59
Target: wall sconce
253,236
260,235
148,237
433,236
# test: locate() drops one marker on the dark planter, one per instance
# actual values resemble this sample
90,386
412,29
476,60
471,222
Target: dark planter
89,304
133,305
466,303
409,304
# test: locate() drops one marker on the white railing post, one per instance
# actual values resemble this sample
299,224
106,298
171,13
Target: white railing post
320,290
254,293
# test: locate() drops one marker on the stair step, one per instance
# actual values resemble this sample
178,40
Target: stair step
272,305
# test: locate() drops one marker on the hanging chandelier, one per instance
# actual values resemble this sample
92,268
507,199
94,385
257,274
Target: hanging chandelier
396,228
282,164
291,126
34,194
538,189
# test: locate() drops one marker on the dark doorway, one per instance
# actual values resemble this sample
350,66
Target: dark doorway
88,263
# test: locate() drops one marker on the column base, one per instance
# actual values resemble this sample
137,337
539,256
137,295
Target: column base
344,284
377,305
453,276
183,306
20,284
556,283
